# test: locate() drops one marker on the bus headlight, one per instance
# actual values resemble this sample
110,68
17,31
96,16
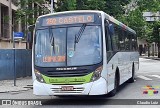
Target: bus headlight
97,73
39,76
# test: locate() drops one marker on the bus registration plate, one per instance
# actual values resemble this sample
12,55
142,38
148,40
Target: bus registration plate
67,88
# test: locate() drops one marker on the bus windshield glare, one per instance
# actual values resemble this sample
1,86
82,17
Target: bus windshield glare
55,47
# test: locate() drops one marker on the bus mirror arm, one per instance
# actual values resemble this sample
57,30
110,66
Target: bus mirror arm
30,28
29,37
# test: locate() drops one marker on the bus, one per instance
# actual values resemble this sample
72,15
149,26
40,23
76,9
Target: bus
82,52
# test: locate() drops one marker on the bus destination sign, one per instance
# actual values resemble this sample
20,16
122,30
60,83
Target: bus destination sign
60,20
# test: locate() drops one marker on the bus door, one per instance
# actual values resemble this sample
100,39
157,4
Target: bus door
109,54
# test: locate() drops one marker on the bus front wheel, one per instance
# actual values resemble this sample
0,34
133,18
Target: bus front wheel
116,84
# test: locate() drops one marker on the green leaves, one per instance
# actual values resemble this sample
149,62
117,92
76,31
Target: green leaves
149,5
112,7
66,5
71,4
96,5
26,12
135,20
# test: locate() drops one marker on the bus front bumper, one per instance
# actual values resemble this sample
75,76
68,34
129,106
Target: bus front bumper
98,87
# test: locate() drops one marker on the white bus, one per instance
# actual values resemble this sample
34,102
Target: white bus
82,53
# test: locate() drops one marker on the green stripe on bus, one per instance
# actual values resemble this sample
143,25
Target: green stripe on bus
68,80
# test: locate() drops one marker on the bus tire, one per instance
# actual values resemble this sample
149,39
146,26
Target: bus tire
116,84
131,80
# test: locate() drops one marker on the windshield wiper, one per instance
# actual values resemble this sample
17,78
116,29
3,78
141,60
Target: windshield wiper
79,34
52,41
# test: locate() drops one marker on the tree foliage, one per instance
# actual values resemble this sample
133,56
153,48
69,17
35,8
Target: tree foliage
145,30
136,20
112,7
116,7
26,12
149,5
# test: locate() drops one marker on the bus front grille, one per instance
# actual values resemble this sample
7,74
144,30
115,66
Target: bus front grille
71,73
75,90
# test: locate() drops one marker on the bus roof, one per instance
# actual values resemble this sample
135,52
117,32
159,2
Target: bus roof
75,11
93,11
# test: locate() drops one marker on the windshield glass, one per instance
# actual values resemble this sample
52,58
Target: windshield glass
56,47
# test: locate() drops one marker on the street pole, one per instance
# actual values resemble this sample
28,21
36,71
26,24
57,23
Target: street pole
52,4
14,59
11,35
10,18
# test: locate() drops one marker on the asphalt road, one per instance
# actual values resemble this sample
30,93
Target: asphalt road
148,75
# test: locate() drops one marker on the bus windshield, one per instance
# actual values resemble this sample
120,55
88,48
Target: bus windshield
55,47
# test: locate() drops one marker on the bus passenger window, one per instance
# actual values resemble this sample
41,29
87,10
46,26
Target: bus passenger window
121,39
130,41
108,39
113,36
127,44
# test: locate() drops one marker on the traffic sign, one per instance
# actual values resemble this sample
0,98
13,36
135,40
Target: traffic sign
18,35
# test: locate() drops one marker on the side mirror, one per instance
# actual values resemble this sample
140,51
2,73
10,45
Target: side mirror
31,27
29,34
111,29
29,37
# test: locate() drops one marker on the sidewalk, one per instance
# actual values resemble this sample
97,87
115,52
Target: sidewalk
151,57
22,84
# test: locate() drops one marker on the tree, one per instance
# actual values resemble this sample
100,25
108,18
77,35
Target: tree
148,5
114,8
136,21
26,12
148,36
145,30
152,6
96,5
65,5
156,35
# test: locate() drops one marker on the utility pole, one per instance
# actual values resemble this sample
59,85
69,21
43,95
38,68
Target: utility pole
11,36
52,4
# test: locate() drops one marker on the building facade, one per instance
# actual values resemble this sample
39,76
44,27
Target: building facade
8,10
5,37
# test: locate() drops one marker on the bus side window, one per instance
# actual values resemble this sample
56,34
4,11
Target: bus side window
130,41
107,36
116,38
113,35
127,44
134,42
121,39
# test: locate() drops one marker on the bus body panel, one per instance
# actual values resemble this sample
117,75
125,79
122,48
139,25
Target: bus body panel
98,87
124,62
